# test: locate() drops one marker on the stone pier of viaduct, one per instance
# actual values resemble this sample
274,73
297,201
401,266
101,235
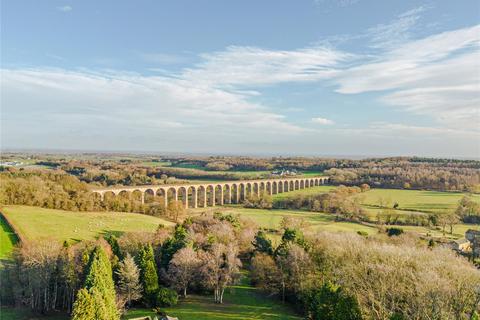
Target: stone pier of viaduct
216,193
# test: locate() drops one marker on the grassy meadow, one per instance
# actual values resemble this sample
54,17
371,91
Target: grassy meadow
33,223
313,221
8,239
241,302
415,200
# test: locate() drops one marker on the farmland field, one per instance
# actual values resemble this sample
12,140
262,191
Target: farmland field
423,201
34,223
314,221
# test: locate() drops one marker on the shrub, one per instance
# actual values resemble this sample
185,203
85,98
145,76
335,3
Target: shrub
166,297
394,231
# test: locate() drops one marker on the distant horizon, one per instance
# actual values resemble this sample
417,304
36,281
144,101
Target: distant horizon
216,154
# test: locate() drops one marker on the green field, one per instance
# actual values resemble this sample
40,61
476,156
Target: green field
312,174
314,221
241,302
33,223
410,201
8,239
422,201
317,221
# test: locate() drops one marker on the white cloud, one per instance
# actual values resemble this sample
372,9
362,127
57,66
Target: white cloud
65,8
435,76
322,121
248,66
119,106
397,31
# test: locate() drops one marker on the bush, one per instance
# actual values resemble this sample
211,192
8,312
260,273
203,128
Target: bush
166,297
394,231
263,201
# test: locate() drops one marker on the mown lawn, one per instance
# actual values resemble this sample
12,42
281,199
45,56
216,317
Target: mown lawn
241,302
8,239
33,223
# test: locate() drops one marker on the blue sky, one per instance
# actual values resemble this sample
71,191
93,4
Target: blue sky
313,77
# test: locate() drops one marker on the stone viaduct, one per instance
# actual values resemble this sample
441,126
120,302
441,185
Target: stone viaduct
215,193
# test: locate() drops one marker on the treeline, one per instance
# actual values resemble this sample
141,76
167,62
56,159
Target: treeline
396,172
410,177
58,190
128,173
347,276
46,189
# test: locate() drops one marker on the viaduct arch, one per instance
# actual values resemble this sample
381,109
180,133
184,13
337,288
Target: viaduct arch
218,193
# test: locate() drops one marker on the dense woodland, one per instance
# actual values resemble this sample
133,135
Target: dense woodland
323,275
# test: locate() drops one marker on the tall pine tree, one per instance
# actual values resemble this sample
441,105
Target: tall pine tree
84,306
148,272
99,291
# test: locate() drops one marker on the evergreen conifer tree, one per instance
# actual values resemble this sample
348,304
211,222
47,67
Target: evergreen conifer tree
84,306
148,272
99,291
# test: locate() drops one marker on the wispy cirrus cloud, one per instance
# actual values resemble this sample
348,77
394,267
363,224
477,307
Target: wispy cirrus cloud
247,66
435,76
399,30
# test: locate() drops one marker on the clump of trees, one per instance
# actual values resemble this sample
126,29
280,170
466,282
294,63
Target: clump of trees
338,201
468,210
261,201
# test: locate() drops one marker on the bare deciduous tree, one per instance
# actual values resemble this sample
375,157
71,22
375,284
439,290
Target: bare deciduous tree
182,267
